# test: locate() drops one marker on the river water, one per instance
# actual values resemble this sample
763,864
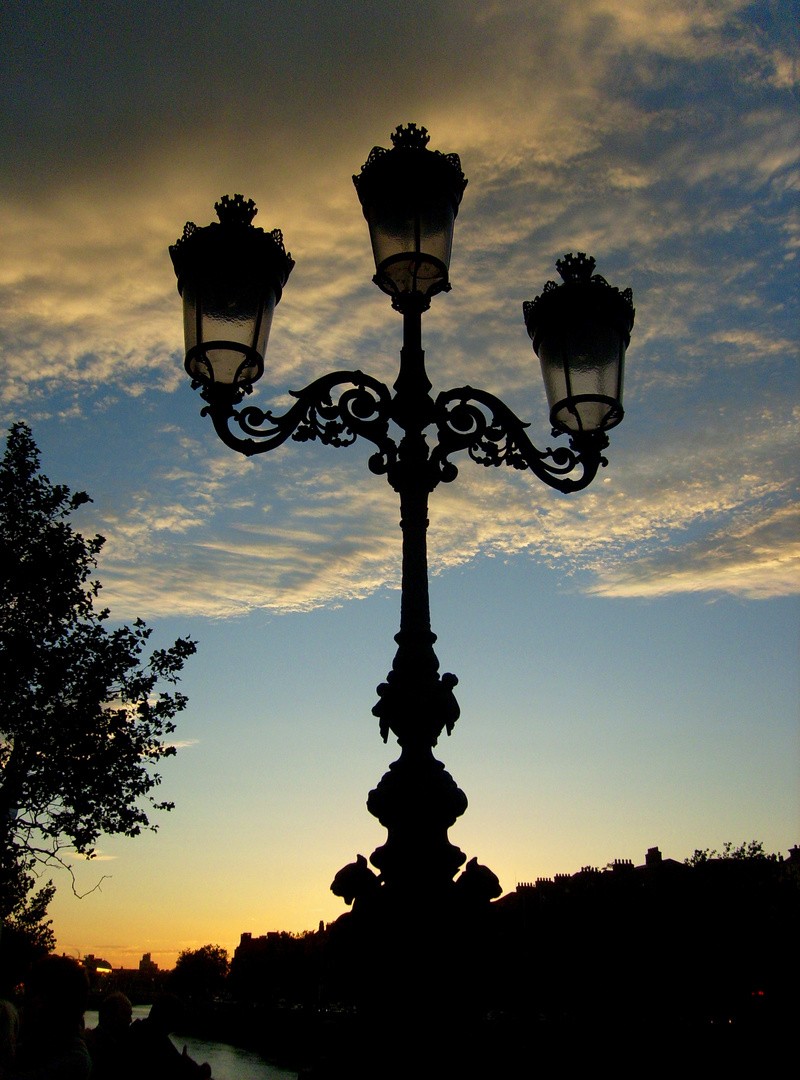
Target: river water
227,1062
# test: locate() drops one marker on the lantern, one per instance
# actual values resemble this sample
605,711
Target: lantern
410,197
580,331
230,277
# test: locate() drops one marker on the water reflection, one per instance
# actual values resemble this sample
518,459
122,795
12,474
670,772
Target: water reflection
231,1062
227,1062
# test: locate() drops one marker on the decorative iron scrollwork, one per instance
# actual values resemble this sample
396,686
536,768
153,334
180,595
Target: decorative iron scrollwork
465,419
362,408
478,422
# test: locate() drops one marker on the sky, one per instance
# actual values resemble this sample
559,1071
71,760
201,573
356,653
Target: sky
627,656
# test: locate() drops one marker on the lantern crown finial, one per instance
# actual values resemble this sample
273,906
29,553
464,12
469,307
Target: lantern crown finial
410,137
236,210
576,268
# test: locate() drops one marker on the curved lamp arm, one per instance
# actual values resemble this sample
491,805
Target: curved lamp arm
480,423
362,407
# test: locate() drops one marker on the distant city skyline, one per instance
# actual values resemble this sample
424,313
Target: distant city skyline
653,855
628,656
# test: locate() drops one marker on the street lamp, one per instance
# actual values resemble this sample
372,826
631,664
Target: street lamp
230,276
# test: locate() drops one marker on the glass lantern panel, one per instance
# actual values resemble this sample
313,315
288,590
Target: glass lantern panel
189,297
411,239
230,311
231,367
236,312
582,360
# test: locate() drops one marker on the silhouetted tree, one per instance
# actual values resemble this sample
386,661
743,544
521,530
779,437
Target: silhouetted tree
82,717
754,849
200,974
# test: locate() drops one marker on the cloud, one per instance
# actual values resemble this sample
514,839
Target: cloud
657,134
87,289
757,560
687,507
96,856
293,555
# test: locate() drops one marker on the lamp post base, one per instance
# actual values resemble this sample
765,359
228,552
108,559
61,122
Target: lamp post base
415,954
420,973
417,801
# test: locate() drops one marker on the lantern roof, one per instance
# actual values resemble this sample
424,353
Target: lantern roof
409,155
579,285
234,237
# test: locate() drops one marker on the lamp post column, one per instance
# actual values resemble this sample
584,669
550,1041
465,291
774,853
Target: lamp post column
416,800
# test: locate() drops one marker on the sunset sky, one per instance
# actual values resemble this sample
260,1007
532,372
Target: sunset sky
627,657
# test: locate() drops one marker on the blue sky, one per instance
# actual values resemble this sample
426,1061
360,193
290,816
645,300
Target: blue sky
627,656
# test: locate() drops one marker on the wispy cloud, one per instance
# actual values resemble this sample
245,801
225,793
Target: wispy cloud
591,125
97,856
756,560
329,533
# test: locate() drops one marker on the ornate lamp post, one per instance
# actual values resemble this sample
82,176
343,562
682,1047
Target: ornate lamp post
230,276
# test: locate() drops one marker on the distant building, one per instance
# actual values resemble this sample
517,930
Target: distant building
654,862
147,966
94,966
689,943
249,945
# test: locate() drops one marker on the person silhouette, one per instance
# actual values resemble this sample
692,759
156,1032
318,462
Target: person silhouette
106,1042
51,1044
9,1032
